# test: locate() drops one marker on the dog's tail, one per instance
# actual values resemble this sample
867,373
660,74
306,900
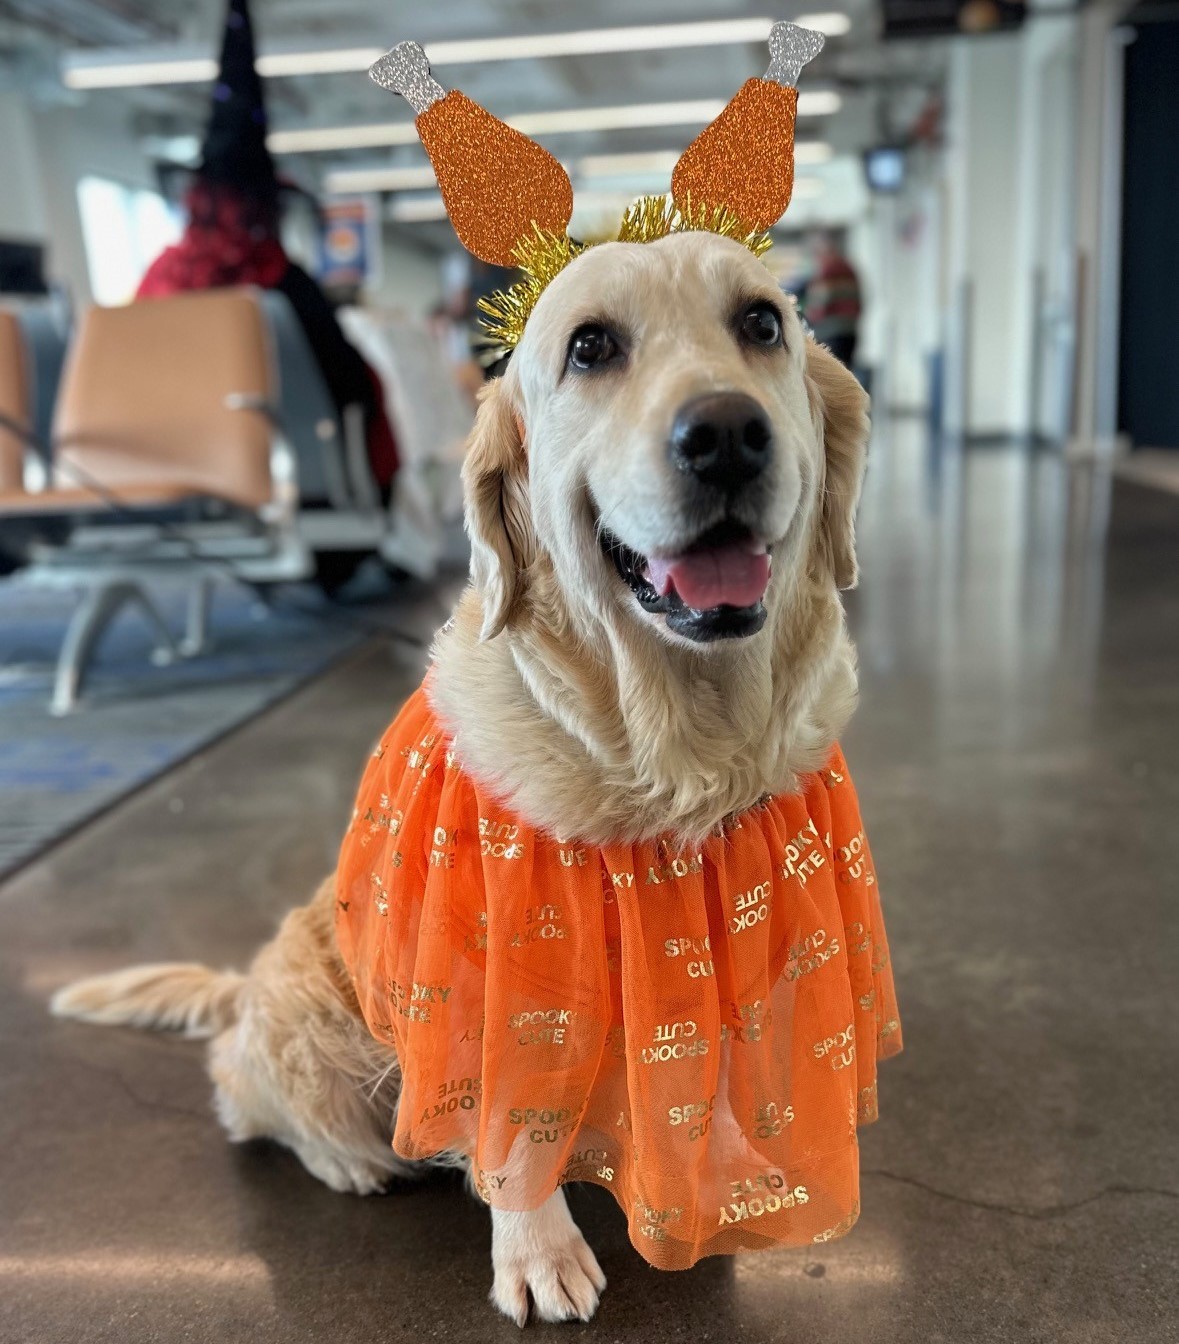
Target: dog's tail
172,996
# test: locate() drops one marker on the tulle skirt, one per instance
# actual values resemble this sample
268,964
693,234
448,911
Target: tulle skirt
695,1030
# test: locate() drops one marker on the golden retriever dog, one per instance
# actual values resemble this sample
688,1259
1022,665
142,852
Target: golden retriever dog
660,498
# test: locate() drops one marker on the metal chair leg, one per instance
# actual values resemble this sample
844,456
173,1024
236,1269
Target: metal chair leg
196,622
89,624
364,487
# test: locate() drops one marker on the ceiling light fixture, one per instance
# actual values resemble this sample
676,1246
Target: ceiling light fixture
696,112
87,73
418,209
425,209
119,69
316,140
665,160
655,164
599,41
830,23
625,165
361,181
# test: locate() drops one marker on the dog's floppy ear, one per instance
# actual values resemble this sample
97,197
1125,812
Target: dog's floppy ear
498,510
841,405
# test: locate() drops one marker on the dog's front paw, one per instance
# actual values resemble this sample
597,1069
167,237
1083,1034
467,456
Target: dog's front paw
544,1254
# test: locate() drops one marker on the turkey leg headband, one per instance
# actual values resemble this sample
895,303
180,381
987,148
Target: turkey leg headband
510,201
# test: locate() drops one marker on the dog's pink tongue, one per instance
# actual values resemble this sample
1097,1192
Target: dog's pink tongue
729,576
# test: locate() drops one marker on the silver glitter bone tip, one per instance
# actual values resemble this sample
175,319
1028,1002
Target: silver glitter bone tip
790,49
406,71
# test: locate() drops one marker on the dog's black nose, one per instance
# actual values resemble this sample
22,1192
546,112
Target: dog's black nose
723,438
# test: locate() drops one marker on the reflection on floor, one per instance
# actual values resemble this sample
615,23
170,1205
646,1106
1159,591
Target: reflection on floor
1152,466
1016,756
138,718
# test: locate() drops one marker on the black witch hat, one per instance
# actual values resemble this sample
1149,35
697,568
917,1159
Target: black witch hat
234,153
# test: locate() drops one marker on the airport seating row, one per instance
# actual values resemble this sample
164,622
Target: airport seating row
183,438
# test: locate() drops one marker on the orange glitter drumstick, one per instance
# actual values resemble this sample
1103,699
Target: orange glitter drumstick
498,186
510,201
744,161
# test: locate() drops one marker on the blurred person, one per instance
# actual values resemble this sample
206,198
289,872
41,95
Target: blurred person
830,299
233,237
449,330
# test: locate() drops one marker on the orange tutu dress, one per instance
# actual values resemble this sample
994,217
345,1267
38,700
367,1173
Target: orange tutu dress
696,1031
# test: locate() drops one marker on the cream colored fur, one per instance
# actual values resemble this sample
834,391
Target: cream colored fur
558,688
581,709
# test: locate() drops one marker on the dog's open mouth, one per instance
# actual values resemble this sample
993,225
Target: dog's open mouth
713,590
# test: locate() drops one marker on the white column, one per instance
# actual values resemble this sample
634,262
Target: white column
1032,187
1098,198
983,219
22,204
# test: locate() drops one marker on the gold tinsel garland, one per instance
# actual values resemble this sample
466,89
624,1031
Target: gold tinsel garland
542,256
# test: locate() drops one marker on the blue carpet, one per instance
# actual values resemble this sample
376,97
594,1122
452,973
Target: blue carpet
136,720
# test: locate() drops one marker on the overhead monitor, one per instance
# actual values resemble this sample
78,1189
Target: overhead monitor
884,167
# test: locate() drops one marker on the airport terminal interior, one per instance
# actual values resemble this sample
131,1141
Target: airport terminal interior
241,353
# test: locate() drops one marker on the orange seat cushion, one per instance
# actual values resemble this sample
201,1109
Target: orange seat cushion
138,494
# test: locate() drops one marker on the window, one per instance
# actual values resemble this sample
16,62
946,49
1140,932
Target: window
124,229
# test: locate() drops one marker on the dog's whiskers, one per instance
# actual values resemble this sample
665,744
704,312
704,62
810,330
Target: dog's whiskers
600,525
381,1077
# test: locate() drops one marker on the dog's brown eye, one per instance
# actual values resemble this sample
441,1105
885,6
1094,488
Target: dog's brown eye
762,325
591,346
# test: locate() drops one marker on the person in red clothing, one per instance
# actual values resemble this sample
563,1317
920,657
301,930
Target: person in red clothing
831,300
233,238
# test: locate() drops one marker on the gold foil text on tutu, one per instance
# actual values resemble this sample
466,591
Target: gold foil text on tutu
752,906
766,1195
839,1050
801,858
771,1119
542,1026
697,1115
809,955
674,869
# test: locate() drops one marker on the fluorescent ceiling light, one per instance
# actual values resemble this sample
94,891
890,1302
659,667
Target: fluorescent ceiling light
427,209
818,102
656,165
314,140
82,74
417,209
572,120
106,72
812,151
593,207
665,160
120,70
621,165
424,209
597,41
358,181
345,61
830,23
694,112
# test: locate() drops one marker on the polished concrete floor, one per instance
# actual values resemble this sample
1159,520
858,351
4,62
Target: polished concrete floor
1016,756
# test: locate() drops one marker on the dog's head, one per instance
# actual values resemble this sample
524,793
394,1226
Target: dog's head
669,441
